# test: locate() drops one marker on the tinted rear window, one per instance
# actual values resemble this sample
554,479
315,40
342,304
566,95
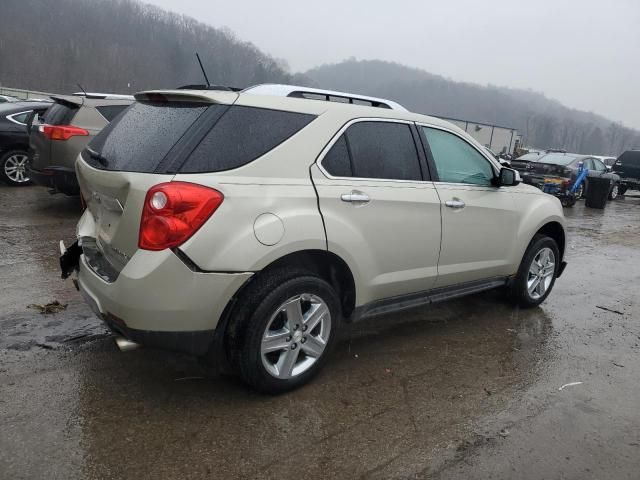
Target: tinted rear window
60,114
337,161
242,135
383,150
110,111
139,139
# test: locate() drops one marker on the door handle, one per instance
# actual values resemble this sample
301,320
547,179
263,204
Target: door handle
355,197
455,203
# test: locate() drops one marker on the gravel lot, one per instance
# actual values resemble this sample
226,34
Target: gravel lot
467,389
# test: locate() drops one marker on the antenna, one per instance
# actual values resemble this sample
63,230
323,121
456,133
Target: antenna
206,79
83,90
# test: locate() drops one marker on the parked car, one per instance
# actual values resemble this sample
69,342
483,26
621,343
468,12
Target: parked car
14,140
608,161
627,166
536,170
8,98
66,128
246,227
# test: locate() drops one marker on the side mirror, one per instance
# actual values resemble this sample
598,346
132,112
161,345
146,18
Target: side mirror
508,177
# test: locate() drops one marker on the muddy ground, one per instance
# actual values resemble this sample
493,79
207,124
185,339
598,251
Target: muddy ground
467,389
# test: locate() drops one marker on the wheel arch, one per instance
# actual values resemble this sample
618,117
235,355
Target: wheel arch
556,231
325,264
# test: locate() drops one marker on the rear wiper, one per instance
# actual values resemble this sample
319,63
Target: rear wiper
96,156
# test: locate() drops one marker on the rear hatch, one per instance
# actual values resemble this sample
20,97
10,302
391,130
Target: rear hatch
61,112
628,165
136,151
547,169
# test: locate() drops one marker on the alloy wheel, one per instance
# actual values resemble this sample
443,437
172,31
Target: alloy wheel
15,168
614,192
541,273
296,336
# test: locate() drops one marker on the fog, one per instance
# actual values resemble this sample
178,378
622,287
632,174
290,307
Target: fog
582,53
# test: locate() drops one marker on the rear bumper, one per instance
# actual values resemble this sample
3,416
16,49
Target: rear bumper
158,301
59,179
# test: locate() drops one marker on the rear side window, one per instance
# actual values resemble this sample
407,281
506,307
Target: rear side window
60,114
242,135
382,150
109,112
630,157
140,139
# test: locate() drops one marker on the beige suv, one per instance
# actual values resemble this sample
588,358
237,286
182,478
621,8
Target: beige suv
246,227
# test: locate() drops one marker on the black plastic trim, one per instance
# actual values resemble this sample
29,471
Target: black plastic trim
426,297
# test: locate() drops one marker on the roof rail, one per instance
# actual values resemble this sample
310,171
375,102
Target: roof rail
296,91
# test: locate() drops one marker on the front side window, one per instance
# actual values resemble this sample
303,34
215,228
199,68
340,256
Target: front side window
384,150
456,161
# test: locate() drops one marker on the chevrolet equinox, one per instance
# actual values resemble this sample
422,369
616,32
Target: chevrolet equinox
245,227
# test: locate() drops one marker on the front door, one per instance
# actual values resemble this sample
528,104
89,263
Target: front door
479,221
380,213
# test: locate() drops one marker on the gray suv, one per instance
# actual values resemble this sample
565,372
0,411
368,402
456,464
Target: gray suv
57,137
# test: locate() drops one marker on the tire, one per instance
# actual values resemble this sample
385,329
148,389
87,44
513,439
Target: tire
272,304
614,192
13,167
520,291
622,190
580,192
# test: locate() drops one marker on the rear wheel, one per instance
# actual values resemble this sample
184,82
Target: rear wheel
13,167
614,192
622,190
537,273
284,330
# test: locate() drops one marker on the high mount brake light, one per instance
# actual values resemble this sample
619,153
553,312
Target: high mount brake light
173,212
62,132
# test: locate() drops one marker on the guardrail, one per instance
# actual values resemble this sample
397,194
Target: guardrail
24,94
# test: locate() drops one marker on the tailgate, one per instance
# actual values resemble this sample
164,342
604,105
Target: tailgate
114,207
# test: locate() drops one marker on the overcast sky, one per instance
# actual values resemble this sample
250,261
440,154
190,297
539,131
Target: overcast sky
585,53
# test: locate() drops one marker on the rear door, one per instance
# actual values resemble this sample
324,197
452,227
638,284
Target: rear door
380,209
479,221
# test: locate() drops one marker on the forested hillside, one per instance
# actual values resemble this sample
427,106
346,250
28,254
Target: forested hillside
125,46
119,46
544,123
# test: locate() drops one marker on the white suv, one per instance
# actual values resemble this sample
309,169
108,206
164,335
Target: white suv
246,227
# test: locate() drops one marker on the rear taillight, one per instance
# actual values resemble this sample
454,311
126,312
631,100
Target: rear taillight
62,132
173,212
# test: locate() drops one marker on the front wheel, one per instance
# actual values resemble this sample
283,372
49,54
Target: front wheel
537,273
284,330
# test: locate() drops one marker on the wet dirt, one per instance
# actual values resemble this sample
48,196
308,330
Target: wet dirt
465,389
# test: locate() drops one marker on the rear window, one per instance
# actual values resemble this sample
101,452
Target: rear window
142,138
242,135
109,112
557,159
138,140
60,113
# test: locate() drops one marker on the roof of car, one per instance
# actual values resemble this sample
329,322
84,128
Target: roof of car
291,103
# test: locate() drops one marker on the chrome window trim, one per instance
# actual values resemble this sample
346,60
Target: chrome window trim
11,119
337,135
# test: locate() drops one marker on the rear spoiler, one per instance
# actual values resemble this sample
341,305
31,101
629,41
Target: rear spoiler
197,96
68,100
